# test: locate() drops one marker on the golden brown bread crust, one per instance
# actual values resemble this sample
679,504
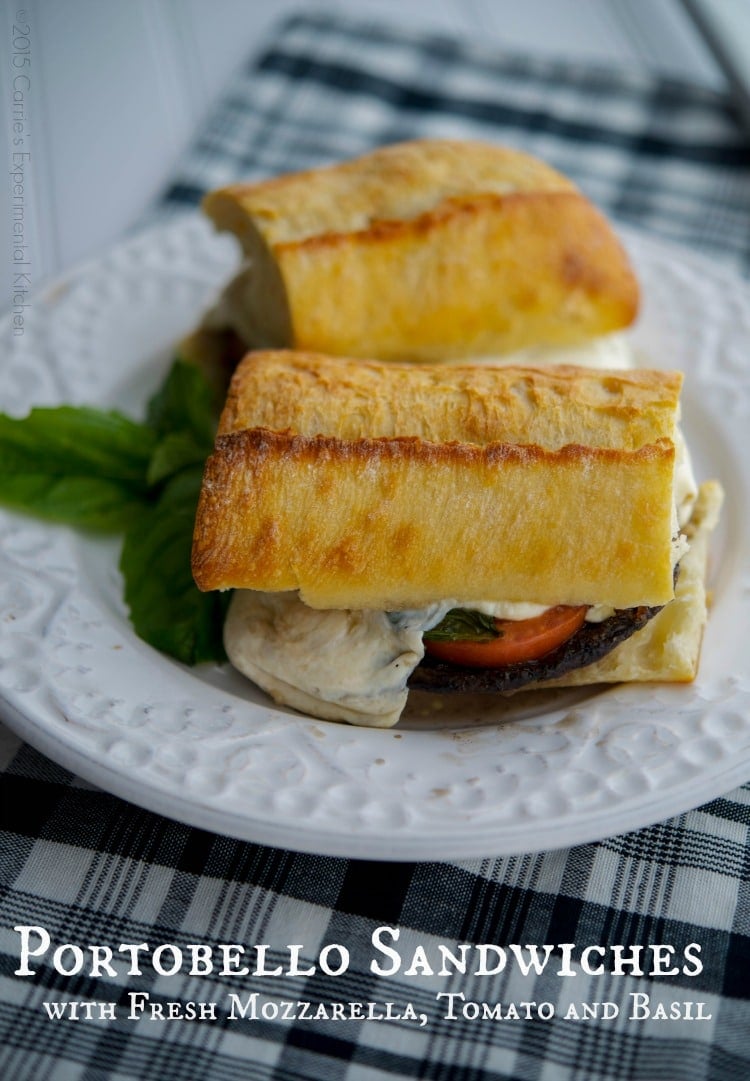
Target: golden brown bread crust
424,250
400,181
668,648
398,523
312,394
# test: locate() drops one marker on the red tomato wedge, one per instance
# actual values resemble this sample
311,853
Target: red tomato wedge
519,640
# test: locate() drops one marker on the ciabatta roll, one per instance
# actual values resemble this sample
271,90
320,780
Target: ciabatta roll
426,250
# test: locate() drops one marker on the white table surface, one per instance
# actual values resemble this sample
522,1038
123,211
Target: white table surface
117,87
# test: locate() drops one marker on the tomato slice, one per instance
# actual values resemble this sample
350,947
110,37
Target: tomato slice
519,639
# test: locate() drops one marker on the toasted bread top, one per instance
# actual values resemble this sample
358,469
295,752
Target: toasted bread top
366,484
427,250
390,184
311,394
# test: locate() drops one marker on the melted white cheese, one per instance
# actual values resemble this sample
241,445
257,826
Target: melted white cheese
606,352
521,610
685,486
340,665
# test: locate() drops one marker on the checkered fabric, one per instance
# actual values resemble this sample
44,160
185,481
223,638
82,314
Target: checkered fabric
95,870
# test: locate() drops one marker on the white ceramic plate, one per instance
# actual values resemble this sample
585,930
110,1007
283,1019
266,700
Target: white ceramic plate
471,778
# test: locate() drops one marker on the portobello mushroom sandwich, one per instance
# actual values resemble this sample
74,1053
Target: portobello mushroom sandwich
452,528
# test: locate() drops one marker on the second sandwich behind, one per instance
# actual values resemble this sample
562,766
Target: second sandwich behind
429,250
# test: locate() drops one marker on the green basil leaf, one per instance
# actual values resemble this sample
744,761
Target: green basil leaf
80,466
185,403
100,470
166,607
76,441
464,625
174,452
85,502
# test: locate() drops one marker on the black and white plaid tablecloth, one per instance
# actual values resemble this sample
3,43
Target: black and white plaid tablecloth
93,869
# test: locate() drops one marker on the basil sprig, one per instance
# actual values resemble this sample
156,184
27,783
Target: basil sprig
464,625
99,470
